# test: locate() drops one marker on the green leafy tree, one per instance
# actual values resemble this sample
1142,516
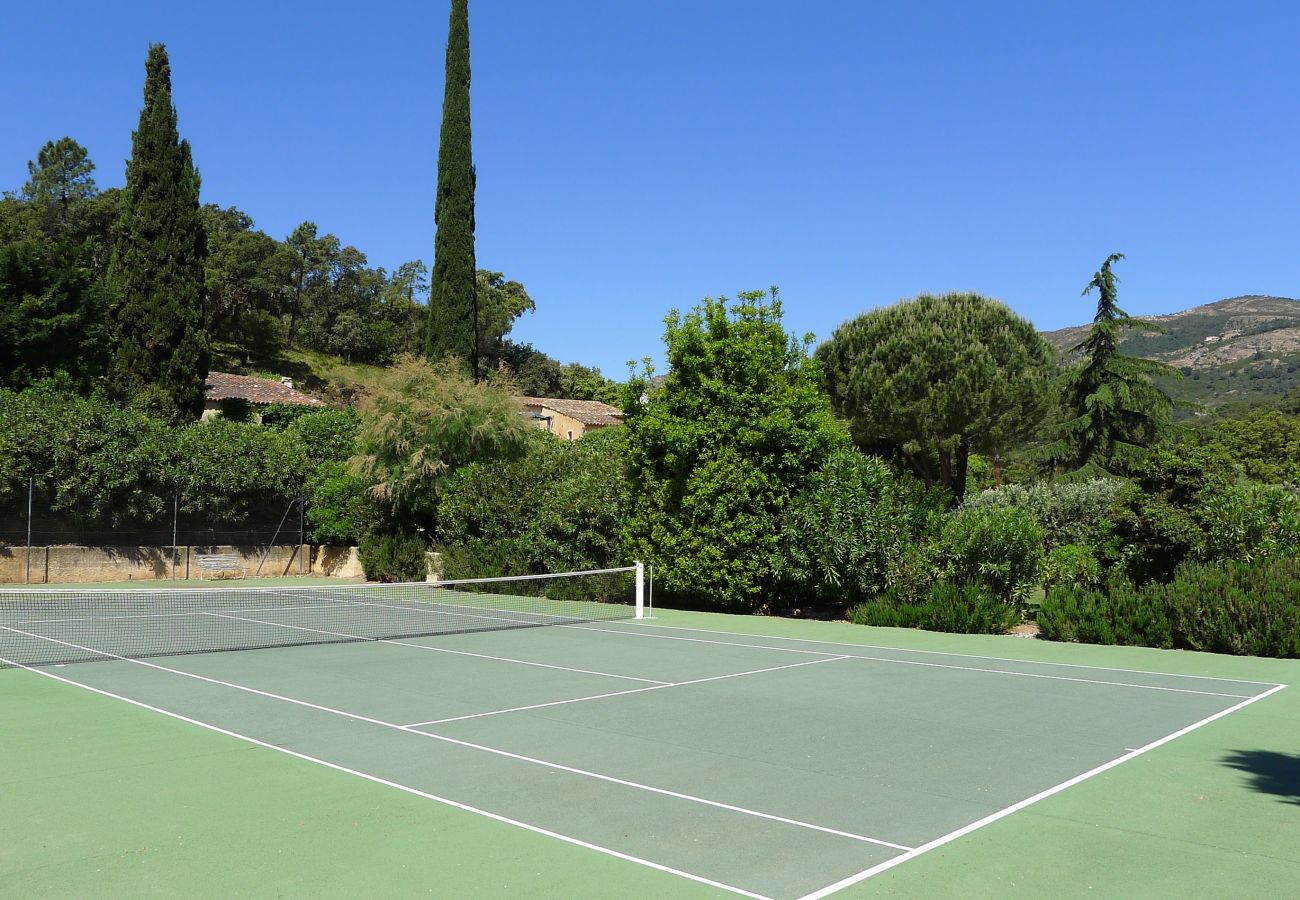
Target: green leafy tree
935,379
453,305
535,373
158,263
60,177
716,454
1266,442
844,533
308,261
427,420
60,174
52,316
579,382
500,303
246,276
555,507
405,303
1113,412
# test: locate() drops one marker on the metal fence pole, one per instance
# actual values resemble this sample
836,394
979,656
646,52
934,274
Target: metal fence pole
176,512
302,515
31,482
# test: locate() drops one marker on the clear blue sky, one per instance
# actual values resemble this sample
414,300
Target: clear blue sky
637,156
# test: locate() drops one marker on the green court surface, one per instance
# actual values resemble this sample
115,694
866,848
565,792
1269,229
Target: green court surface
688,755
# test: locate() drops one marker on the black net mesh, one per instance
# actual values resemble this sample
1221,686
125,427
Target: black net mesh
40,628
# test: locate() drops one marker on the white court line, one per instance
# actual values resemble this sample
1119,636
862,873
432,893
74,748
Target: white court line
1028,801
917,662
656,687
472,746
170,615
1035,662
401,787
357,637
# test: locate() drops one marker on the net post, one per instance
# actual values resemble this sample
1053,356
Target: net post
640,590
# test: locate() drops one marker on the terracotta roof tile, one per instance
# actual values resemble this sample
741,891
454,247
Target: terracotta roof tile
588,412
225,386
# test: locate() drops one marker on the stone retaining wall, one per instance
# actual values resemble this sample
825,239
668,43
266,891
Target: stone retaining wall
75,565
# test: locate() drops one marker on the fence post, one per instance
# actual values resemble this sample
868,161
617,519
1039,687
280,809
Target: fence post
176,511
302,514
31,482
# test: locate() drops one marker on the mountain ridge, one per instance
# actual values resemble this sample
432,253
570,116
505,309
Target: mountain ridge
1239,350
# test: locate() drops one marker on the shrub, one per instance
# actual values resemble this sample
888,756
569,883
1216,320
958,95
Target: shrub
1121,614
326,435
339,505
844,532
916,571
1159,516
966,608
1070,512
396,557
1250,522
1071,565
1248,608
1225,607
555,508
227,472
1001,549
716,454
424,421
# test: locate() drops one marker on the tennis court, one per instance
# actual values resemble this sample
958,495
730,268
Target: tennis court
761,765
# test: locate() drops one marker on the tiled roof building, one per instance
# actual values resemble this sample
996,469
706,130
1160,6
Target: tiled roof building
571,419
224,387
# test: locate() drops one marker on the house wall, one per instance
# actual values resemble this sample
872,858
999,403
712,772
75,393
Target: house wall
560,424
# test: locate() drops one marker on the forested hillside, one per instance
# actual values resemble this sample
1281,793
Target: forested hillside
307,305
1233,353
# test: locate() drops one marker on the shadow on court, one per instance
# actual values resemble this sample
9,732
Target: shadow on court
1270,772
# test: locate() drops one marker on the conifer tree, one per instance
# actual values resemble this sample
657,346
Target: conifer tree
1113,411
161,358
453,302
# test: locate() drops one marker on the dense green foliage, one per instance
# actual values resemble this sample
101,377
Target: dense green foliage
848,528
717,453
103,466
1265,442
1070,512
963,608
1223,607
393,556
556,507
453,328
1071,565
932,380
1001,549
428,420
1112,410
52,316
158,262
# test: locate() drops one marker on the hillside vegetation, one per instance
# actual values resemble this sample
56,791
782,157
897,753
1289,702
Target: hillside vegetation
1233,353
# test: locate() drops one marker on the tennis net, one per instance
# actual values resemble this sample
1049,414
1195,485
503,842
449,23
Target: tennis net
57,627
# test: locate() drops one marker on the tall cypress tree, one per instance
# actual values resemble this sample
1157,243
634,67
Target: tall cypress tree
1113,410
453,301
157,267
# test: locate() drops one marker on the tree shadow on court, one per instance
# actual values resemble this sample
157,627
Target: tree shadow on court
1270,772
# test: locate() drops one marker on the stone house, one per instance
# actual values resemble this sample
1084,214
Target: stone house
233,394
570,419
